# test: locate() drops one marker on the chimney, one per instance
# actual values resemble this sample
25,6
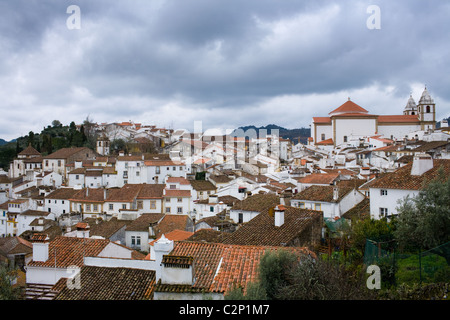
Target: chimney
335,193
279,215
422,162
82,230
105,194
40,247
285,199
161,247
87,192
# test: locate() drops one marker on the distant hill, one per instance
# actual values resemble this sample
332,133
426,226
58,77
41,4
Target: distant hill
292,134
3,142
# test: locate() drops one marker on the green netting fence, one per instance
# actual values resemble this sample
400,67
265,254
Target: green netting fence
397,267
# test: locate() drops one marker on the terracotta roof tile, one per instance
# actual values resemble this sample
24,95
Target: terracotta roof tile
319,178
218,267
66,251
398,118
261,230
402,178
102,283
349,107
257,202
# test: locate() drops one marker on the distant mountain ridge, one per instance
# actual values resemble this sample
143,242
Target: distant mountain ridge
295,135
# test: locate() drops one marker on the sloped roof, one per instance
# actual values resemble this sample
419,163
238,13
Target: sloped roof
402,178
14,245
64,153
319,178
398,118
257,202
261,230
62,193
219,267
29,151
143,222
102,283
202,185
349,107
67,251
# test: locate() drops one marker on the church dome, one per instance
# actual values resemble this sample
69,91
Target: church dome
426,98
411,105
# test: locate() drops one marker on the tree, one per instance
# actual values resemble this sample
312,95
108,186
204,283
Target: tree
31,138
273,269
318,279
424,220
283,275
370,229
56,124
7,291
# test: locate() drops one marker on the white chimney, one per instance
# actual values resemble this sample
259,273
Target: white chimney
335,193
40,247
279,215
422,162
161,247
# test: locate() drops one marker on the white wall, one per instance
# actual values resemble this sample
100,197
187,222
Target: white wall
389,201
398,131
354,128
247,215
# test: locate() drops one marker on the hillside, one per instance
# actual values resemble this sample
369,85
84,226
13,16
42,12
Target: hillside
292,134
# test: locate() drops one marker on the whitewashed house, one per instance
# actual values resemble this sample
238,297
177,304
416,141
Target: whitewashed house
389,189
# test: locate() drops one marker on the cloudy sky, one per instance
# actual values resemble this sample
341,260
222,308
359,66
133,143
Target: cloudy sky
226,63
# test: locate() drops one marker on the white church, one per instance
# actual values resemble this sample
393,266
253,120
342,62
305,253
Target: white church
351,122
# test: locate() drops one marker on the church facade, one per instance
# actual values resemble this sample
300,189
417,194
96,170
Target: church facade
350,122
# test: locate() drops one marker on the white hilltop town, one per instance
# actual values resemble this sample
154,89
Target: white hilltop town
184,211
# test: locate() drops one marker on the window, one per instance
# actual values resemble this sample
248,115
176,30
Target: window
59,163
383,212
181,168
174,168
137,173
158,170
88,207
62,201
125,174
180,200
345,138
322,136
317,206
428,109
133,240
124,206
173,186
153,204
95,207
180,210
301,205
111,206
241,218
211,209
383,192
140,204
138,240
167,199
168,210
